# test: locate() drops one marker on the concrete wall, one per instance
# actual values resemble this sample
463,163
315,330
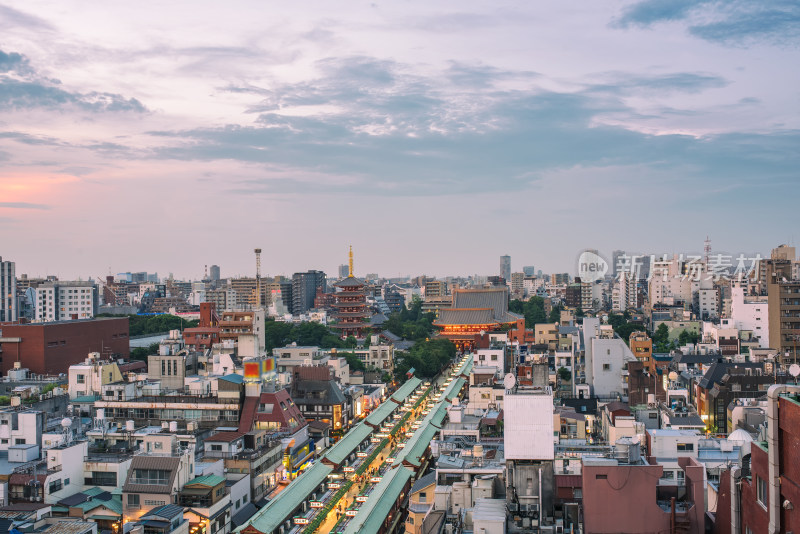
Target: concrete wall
608,361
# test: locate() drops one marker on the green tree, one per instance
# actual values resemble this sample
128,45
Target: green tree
278,334
579,313
353,361
661,342
532,310
142,325
141,353
625,330
411,324
555,314
687,336
427,357
564,374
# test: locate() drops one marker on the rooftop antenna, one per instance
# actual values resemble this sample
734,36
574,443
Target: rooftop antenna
205,272
707,249
258,276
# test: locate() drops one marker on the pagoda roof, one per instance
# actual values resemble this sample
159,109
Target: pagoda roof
347,304
345,326
465,316
362,313
350,281
493,297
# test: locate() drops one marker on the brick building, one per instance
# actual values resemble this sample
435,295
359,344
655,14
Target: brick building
766,489
50,348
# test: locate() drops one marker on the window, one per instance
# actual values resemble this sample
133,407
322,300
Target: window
423,497
154,503
216,447
606,367
101,478
685,447
54,486
761,490
150,476
668,475
19,441
577,493
81,379
681,476
601,477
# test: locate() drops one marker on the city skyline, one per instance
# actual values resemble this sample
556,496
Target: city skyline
409,131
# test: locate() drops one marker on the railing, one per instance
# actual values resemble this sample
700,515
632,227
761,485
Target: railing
107,457
209,398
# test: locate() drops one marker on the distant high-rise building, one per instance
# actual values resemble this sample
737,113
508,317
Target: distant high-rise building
616,258
213,272
304,289
505,267
8,291
517,280
529,270
344,270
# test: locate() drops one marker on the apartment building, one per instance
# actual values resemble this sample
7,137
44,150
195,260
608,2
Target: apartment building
62,300
8,291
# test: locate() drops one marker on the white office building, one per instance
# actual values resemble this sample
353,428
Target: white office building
61,301
750,313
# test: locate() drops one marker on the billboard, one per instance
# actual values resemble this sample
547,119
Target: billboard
255,370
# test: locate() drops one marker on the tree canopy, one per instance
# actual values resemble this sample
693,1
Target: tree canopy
623,327
279,334
411,322
427,357
532,309
661,342
143,325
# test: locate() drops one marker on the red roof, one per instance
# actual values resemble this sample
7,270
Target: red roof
248,414
134,365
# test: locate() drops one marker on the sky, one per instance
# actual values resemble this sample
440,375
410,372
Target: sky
433,137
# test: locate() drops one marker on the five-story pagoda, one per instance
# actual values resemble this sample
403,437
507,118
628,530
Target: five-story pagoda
350,308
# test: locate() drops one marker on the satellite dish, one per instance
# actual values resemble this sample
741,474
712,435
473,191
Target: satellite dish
673,375
66,422
510,381
794,370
